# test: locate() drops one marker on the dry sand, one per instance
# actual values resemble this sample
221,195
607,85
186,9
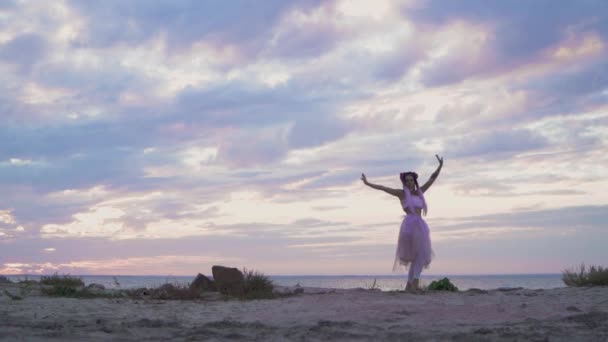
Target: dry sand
566,314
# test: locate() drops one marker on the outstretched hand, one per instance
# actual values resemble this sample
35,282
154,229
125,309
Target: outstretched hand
439,159
363,178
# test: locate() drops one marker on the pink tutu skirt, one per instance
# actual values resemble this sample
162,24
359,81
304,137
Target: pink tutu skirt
414,242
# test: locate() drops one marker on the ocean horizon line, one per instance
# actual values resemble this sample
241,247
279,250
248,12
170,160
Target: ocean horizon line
293,275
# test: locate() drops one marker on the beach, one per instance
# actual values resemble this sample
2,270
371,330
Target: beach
314,314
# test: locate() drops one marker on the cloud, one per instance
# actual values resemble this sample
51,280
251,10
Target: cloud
514,33
569,89
393,65
104,82
7,4
304,37
247,126
116,22
495,144
24,51
244,148
566,228
77,171
309,132
275,119
567,217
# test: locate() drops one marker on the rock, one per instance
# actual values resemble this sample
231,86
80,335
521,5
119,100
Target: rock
476,291
141,292
96,287
298,289
483,331
12,296
229,281
202,284
591,320
509,289
573,308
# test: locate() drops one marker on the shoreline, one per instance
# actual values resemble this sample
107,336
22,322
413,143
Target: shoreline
384,283
298,275
317,314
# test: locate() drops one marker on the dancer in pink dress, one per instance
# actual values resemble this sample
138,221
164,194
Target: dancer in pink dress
414,242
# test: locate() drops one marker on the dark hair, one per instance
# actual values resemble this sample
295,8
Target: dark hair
414,175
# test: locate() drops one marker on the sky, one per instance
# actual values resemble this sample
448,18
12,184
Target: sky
164,137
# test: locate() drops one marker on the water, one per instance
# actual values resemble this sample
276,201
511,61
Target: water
385,283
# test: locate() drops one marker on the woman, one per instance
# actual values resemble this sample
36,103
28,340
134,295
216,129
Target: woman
414,243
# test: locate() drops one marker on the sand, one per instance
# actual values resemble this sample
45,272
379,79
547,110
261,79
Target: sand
565,314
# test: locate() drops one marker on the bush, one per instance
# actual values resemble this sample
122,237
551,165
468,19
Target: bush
442,285
61,291
594,276
61,281
5,280
257,285
64,286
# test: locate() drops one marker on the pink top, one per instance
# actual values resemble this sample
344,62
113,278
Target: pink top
416,200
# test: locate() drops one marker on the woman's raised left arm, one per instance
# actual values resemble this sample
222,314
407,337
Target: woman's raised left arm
431,180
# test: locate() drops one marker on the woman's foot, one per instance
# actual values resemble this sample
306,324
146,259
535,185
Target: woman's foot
408,287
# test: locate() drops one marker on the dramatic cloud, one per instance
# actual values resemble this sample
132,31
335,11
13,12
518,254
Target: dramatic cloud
495,144
240,24
185,133
504,35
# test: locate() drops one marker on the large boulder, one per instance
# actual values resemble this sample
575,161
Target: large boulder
229,280
202,284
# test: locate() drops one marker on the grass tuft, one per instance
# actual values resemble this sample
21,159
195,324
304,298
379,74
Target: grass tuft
583,276
68,286
62,286
174,291
257,285
373,286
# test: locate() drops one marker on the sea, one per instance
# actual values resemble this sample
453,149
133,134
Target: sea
382,282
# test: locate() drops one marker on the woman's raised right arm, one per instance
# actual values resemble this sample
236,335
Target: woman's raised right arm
394,192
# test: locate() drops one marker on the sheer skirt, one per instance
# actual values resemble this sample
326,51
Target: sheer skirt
414,242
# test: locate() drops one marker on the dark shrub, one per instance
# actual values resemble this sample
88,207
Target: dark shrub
257,285
593,276
64,280
442,285
64,286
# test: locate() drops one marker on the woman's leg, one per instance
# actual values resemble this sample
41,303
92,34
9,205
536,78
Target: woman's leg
415,271
411,274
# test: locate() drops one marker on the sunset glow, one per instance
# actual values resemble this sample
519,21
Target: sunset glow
236,132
